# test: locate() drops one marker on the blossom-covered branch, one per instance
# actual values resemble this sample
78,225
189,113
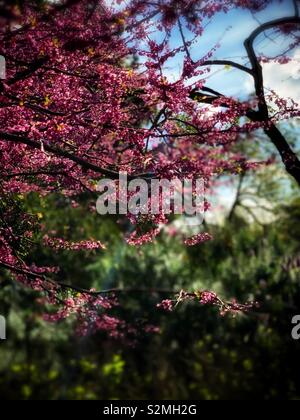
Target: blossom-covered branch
208,298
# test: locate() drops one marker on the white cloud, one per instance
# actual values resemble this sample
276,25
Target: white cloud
281,78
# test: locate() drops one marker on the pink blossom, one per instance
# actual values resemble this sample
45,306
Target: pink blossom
198,239
208,298
60,244
166,305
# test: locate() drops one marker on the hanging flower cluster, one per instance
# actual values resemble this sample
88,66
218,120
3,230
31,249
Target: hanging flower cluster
60,244
208,298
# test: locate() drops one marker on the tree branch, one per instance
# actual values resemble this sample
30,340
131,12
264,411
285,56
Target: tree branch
237,197
66,286
249,46
32,68
227,63
64,154
289,158
296,7
183,39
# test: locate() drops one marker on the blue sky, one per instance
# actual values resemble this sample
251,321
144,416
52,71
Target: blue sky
230,30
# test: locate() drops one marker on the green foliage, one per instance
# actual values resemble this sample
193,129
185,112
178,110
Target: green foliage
197,355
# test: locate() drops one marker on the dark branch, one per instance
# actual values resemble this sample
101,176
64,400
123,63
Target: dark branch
32,68
237,197
296,7
256,66
289,158
64,154
183,39
33,275
227,63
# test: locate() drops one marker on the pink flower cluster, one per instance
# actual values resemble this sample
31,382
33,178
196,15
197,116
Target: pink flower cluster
89,311
166,305
208,298
61,244
145,238
198,239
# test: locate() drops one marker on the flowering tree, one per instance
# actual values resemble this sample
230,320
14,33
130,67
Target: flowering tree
85,97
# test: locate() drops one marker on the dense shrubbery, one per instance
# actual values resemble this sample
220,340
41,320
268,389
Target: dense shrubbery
197,354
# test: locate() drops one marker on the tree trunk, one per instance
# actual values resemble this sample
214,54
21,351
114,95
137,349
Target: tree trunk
289,158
